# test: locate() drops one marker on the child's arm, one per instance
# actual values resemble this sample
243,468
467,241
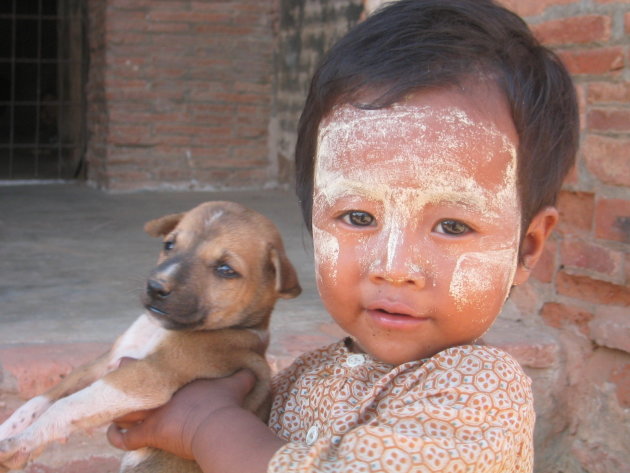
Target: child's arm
204,421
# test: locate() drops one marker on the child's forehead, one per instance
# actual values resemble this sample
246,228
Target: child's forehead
417,139
437,122
435,147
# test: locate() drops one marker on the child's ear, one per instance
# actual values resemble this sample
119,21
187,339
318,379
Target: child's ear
534,242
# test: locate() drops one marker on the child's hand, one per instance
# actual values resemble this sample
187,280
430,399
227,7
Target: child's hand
173,426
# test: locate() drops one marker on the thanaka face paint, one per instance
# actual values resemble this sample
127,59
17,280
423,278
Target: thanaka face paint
416,220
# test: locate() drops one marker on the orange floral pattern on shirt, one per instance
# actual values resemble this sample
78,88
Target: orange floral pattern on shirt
466,409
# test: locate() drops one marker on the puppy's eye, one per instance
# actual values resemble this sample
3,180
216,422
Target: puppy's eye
224,270
169,245
357,218
452,227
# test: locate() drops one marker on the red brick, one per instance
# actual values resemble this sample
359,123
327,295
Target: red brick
621,378
531,354
627,22
207,109
572,176
593,61
130,134
584,255
559,315
526,298
169,27
609,120
546,265
179,15
580,29
608,159
580,90
239,98
612,220
609,92
192,130
146,117
173,175
576,211
611,328
532,7
592,290
229,30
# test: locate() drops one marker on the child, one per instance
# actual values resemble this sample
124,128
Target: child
432,145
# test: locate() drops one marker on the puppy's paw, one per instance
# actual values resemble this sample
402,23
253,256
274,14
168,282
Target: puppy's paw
24,416
13,455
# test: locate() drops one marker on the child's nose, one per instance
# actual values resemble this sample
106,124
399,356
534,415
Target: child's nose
415,279
397,263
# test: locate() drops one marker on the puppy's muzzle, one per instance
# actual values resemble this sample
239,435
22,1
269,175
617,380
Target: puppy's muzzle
158,289
169,296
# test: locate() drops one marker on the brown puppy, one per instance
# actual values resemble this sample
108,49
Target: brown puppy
208,303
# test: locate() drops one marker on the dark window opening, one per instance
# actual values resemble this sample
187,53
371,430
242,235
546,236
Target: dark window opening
42,74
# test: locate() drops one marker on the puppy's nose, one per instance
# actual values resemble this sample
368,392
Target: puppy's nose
157,289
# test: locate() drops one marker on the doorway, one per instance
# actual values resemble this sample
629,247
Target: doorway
42,76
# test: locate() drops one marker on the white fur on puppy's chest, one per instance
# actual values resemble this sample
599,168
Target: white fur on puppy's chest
134,458
142,338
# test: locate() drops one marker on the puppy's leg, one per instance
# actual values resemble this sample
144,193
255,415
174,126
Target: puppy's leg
259,399
140,337
26,414
135,386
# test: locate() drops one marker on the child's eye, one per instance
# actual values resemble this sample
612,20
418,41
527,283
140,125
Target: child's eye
358,218
452,227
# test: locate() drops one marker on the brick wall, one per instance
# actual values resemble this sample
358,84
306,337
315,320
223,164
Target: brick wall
179,94
582,288
306,29
96,112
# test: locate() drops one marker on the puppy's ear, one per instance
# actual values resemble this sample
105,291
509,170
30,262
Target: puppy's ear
163,225
287,284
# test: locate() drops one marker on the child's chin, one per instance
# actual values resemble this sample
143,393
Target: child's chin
397,357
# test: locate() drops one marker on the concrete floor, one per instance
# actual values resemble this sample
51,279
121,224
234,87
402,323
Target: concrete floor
73,262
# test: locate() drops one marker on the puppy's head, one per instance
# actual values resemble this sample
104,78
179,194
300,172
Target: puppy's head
222,265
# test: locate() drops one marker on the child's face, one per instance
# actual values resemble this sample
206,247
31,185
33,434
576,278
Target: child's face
416,220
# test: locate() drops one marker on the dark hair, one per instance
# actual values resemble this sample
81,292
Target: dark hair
412,45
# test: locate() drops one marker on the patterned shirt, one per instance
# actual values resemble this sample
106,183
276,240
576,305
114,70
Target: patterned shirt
466,409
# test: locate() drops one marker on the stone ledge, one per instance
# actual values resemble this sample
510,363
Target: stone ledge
30,369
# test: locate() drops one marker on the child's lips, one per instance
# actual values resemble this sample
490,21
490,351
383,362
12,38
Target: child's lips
394,314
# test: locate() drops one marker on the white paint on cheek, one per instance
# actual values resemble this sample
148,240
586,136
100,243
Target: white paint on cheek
326,252
478,274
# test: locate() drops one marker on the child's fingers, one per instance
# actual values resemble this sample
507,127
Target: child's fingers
126,439
244,381
132,418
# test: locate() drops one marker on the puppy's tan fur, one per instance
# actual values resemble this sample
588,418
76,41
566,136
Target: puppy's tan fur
208,304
